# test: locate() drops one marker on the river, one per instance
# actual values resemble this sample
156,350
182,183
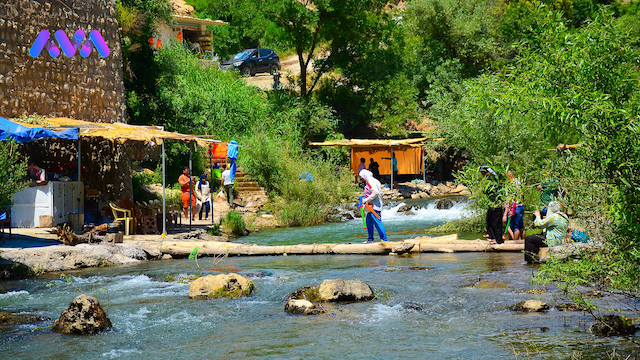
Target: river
427,307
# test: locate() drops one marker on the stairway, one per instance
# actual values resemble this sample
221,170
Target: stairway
249,192
246,186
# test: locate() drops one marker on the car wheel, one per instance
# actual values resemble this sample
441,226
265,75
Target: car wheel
273,69
245,71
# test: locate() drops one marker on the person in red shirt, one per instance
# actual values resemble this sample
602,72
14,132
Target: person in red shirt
186,184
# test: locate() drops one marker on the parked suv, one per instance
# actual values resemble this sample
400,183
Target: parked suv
253,61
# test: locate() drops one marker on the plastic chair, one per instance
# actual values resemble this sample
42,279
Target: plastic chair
126,217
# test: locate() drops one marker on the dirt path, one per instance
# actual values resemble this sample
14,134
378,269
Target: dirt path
290,66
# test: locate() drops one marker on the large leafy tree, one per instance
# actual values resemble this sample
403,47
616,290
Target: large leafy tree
247,26
137,20
324,33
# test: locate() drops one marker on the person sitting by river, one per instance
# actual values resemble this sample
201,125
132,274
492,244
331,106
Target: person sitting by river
373,198
514,208
554,225
493,219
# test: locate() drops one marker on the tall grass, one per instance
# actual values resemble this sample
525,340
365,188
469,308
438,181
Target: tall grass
277,166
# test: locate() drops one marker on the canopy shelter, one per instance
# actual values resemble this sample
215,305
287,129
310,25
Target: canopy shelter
22,133
408,153
120,133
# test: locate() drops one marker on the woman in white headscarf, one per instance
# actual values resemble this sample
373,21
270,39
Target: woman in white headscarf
554,226
373,197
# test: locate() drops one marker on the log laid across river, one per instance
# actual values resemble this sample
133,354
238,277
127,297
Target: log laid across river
441,244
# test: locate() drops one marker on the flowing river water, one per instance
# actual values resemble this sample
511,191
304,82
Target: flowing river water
427,307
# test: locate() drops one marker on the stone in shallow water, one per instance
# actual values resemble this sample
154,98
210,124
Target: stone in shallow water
345,290
301,307
612,325
7,318
224,285
569,307
531,306
83,316
490,284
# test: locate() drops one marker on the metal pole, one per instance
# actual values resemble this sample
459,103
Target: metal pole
391,185
190,188
424,176
164,195
78,226
211,182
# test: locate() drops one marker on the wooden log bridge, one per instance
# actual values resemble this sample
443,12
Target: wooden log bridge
441,244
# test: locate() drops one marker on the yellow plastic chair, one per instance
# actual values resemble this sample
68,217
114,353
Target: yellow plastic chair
126,217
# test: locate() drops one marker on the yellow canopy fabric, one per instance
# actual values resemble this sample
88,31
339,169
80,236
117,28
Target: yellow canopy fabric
372,143
119,132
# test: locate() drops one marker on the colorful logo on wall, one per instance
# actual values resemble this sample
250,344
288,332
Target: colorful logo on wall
69,47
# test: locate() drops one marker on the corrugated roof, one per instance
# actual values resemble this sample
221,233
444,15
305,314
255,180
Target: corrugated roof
119,132
372,143
196,21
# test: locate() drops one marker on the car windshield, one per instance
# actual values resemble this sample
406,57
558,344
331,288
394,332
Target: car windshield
243,55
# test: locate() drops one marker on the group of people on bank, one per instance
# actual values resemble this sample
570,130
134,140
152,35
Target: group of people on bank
510,211
200,200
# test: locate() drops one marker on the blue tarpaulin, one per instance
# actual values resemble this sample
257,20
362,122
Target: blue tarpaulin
10,130
232,154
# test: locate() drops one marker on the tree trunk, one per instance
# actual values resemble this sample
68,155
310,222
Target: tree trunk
447,244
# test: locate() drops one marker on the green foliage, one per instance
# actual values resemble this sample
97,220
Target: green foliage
442,31
234,222
231,294
473,224
567,86
147,178
277,166
137,20
214,230
194,96
13,168
340,25
247,26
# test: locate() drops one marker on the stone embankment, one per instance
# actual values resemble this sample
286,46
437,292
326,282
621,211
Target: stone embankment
422,190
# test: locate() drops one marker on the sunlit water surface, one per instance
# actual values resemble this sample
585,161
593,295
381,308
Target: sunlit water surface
427,307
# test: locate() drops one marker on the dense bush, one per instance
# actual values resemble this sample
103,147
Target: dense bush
234,223
13,168
278,166
570,86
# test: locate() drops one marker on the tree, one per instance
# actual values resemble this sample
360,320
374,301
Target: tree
12,170
338,25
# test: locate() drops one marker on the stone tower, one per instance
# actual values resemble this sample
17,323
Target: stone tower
84,88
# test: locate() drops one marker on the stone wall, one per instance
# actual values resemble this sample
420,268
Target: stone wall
88,88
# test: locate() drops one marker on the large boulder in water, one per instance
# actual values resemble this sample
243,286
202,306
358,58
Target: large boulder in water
344,290
83,316
229,285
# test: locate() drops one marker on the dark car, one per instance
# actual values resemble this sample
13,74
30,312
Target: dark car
253,61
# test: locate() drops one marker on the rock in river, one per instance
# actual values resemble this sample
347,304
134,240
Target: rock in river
531,306
83,316
612,325
230,286
301,306
7,318
345,290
